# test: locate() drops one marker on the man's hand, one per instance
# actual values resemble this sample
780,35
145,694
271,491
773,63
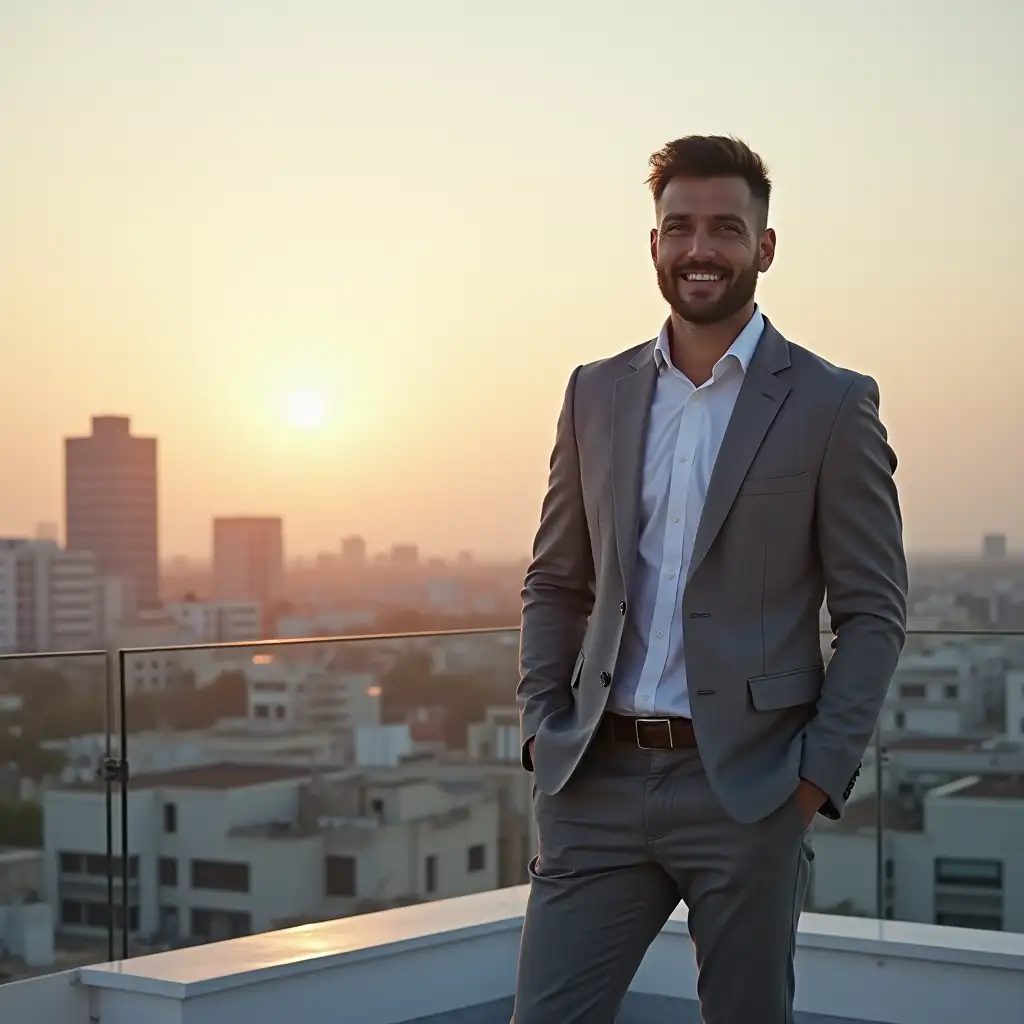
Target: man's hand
529,747
809,798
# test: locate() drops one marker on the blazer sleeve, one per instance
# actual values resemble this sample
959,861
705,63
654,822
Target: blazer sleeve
558,593
860,540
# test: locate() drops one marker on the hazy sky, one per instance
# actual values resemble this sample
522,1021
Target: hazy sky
428,213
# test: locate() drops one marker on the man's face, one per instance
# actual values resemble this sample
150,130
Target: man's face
709,247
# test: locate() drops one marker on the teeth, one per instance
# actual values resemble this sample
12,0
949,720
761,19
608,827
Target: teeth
703,277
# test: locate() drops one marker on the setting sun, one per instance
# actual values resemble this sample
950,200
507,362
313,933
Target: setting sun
305,410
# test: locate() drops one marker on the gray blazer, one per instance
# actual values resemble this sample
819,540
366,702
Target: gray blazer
801,504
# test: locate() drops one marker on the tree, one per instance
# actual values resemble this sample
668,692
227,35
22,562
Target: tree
21,824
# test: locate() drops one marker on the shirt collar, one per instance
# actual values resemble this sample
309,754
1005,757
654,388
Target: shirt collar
741,350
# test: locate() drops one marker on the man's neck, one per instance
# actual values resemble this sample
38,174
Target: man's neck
696,348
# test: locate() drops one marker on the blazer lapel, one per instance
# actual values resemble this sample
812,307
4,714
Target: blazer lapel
631,407
759,401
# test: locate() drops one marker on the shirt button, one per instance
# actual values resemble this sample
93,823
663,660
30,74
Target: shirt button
682,458
659,634
671,575
675,519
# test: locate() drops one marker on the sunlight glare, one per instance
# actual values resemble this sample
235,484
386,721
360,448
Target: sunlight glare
305,410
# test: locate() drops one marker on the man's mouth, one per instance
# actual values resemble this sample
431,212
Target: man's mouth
703,276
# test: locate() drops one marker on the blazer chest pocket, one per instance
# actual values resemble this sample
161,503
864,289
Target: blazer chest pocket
794,484
783,690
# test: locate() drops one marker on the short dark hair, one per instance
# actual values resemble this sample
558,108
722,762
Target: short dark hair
709,156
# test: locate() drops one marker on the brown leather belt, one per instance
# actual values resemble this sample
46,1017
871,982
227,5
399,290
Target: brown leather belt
650,733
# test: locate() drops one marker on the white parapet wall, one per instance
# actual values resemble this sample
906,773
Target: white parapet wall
432,959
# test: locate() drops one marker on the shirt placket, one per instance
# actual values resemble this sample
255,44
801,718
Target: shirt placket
673,549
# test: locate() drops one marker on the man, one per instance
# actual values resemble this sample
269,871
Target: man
707,490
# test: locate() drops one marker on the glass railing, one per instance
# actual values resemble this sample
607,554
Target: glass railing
270,784
57,712
931,833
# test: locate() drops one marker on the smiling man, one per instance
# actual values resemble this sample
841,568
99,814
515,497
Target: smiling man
708,489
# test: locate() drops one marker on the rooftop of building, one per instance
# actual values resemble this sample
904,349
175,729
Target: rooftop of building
984,787
208,776
952,744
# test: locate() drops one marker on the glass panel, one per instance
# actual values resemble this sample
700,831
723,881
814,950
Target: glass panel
300,781
53,812
953,760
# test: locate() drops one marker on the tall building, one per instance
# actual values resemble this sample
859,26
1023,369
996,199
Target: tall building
248,559
111,503
49,598
353,552
993,547
405,555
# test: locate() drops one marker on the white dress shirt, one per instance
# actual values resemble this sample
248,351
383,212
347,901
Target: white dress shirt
686,428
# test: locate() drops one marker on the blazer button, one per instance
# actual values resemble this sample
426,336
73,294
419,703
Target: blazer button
606,679
622,608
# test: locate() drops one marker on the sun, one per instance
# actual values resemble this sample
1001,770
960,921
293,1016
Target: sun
305,410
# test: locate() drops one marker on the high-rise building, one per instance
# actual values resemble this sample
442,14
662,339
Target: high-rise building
405,555
248,559
993,547
49,598
353,552
111,503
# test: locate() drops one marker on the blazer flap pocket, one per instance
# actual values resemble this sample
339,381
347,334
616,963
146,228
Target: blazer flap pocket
577,670
786,689
776,484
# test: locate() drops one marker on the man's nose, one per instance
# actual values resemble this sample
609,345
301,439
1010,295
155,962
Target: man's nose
702,247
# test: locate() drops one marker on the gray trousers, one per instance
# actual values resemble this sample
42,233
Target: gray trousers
632,833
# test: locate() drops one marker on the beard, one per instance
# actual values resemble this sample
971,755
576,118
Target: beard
739,290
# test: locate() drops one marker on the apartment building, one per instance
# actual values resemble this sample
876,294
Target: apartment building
111,503
951,691
209,622
49,598
224,850
950,858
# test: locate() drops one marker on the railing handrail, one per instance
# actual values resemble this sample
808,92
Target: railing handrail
425,634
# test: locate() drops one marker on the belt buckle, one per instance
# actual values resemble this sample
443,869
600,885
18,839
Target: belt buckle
667,722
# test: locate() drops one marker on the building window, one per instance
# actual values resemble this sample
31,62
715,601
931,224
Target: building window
219,925
901,720
71,863
71,912
220,875
985,922
167,868
951,691
975,874
477,857
912,691
170,818
340,876
430,872
97,915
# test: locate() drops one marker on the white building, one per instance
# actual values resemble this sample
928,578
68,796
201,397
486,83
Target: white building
1015,705
224,850
155,671
48,597
945,692
218,621
26,923
955,860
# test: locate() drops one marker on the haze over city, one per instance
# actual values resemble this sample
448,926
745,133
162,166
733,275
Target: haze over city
344,265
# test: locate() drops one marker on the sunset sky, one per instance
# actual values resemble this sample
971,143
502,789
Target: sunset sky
224,219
